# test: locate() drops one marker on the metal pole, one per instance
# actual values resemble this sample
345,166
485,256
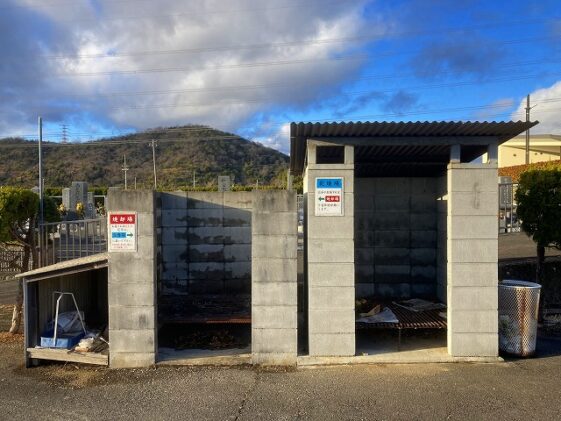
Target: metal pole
154,162
194,179
41,211
528,131
125,169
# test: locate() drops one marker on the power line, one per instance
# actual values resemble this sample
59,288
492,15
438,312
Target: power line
319,41
195,129
264,64
219,67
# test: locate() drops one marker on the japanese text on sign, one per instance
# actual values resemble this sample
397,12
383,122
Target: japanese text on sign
122,232
329,196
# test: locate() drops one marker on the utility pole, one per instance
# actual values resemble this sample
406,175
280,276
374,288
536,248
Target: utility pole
194,179
125,169
41,209
153,142
528,130
135,183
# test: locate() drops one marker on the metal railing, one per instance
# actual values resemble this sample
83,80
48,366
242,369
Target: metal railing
68,240
508,217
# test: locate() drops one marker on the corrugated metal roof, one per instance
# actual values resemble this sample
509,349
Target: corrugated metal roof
435,130
82,264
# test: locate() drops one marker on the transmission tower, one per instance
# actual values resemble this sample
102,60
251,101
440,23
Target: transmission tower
64,128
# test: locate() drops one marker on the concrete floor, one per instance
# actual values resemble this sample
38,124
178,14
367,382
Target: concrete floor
220,357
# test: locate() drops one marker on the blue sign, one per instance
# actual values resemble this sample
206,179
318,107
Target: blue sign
329,183
118,235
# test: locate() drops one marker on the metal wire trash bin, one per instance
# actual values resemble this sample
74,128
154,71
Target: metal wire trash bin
518,317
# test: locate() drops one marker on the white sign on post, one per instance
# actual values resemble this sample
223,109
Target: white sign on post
329,196
122,231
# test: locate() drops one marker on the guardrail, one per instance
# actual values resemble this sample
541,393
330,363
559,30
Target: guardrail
68,240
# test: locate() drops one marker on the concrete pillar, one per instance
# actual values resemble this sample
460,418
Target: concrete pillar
330,262
274,278
132,286
472,254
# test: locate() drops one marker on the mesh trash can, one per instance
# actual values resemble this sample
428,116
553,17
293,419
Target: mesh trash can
518,317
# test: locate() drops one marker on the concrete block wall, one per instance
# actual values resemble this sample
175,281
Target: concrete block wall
396,237
472,254
132,286
274,278
330,258
205,245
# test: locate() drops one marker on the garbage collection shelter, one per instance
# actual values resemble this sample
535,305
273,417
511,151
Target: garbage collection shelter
179,262
400,210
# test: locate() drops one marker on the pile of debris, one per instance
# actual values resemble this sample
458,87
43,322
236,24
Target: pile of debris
209,339
551,323
93,342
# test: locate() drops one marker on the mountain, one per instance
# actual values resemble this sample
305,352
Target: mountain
180,152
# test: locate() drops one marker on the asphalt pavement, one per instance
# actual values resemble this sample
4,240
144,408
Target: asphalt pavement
518,389
513,390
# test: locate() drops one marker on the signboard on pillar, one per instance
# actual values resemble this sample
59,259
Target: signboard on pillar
329,196
122,232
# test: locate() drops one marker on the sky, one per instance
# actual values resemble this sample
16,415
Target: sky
250,67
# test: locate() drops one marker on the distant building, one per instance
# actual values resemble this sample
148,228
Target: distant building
543,148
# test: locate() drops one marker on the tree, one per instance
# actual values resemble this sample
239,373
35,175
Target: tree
539,209
19,209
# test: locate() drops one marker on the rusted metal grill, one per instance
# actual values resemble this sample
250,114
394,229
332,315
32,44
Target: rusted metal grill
408,319
518,317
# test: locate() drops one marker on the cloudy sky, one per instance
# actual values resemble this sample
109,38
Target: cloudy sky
106,67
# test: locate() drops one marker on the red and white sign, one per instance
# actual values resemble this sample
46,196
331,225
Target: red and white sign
332,199
122,231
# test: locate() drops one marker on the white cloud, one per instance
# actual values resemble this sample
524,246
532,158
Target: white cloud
546,109
85,28
279,139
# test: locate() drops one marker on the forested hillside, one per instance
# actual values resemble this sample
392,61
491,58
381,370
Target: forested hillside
180,153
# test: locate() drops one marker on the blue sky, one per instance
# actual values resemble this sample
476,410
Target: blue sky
106,67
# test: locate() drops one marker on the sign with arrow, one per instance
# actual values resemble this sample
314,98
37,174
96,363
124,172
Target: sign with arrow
329,196
122,232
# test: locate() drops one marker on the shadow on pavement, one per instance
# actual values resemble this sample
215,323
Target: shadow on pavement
546,347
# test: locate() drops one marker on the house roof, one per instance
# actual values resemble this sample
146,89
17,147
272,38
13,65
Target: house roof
390,148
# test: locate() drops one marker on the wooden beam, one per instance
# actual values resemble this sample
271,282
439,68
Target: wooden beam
66,355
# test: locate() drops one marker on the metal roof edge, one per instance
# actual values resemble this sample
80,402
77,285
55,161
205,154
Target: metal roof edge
82,264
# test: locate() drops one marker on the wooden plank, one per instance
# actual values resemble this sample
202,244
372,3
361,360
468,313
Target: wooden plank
65,355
